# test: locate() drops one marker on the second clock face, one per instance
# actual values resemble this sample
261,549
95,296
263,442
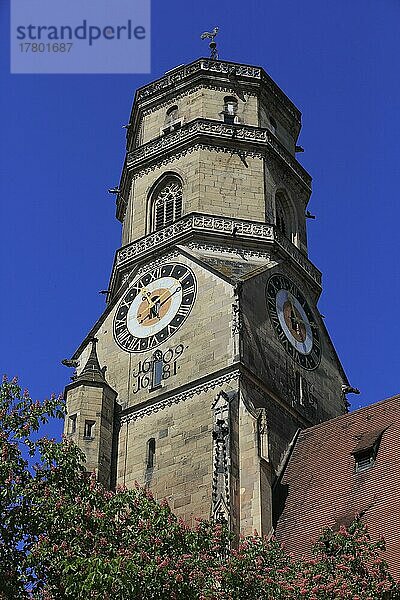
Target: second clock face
293,321
154,307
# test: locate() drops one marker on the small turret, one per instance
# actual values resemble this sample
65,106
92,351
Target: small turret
90,416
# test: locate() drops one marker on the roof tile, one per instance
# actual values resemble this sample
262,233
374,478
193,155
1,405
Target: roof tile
323,489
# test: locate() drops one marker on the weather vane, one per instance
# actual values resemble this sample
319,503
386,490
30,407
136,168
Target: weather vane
213,44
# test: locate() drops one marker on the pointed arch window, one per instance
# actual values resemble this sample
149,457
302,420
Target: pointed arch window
282,218
286,217
273,125
167,203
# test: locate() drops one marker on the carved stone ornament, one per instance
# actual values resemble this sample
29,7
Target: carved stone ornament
237,324
202,67
194,222
217,86
209,225
176,76
220,510
181,397
262,431
219,130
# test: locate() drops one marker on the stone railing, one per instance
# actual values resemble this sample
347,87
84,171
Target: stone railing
209,225
259,138
208,67
297,256
175,76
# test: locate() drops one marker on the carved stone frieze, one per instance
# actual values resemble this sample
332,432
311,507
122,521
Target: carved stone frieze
180,397
156,149
179,74
167,160
203,67
167,102
212,225
194,222
234,251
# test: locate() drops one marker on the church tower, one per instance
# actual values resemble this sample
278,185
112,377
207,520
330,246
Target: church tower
214,348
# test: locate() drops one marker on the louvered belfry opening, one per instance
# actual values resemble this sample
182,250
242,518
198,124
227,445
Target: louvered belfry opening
168,203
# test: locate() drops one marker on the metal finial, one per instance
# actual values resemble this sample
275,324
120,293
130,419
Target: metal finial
213,44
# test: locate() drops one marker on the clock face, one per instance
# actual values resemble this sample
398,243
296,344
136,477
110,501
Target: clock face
293,321
154,307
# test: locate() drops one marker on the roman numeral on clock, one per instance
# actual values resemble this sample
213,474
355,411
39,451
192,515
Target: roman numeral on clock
177,285
134,344
125,337
293,321
156,274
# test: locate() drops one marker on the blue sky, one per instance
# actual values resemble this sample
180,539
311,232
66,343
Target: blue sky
62,147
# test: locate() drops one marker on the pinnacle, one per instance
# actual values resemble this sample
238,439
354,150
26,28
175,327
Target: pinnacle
92,370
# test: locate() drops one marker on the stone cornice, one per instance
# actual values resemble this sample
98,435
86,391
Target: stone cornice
134,413
214,68
249,139
216,130
197,225
207,66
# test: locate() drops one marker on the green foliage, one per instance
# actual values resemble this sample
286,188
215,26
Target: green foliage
63,536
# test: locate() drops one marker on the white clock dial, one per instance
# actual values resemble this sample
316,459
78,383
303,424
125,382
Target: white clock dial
154,307
294,321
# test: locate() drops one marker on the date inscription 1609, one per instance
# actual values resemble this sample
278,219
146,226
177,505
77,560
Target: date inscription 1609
150,373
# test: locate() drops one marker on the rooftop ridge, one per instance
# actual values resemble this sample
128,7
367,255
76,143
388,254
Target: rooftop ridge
347,415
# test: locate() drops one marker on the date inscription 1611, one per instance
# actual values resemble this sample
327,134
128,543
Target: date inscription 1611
154,307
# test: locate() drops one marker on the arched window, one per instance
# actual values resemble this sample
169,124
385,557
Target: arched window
230,110
273,124
281,217
285,217
167,203
172,120
151,451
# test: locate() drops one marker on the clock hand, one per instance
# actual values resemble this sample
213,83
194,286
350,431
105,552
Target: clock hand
178,289
296,318
159,304
293,315
145,295
153,302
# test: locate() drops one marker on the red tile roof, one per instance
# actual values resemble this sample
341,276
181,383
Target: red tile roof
323,488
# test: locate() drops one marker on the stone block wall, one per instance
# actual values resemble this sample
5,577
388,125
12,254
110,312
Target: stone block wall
264,355
213,182
183,470
199,102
